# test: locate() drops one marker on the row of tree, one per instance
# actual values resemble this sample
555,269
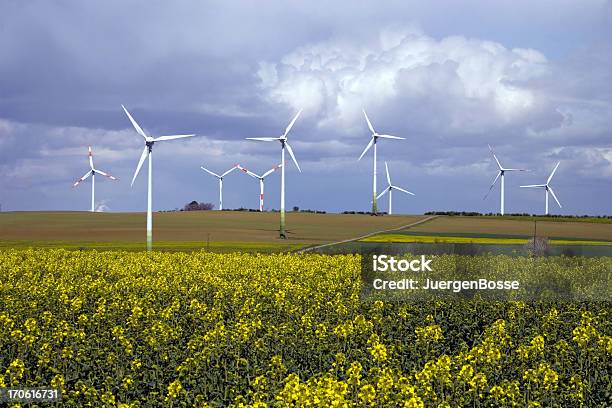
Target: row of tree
196,206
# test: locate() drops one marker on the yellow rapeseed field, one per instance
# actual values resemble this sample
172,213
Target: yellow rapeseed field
199,329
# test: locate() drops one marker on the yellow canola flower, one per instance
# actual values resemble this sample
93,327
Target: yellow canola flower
367,394
379,352
287,330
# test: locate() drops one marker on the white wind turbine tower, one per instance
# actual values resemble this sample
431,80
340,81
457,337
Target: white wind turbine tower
284,144
261,180
501,173
220,177
547,187
92,172
148,152
390,188
373,141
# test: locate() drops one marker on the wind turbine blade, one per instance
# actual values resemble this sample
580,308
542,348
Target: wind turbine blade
292,122
534,186
367,148
90,158
387,169
369,123
136,126
383,193
492,184
272,170
402,190
105,174
552,174
172,137
495,157
246,171
290,150
516,170
210,172
391,137
554,196
76,183
263,139
143,156
228,172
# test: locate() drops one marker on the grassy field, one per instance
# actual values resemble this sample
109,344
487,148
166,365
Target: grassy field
217,231
514,228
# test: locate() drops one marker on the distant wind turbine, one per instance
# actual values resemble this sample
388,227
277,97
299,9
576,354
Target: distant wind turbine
547,187
261,180
92,172
373,140
148,152
390,188
501,173
220,177
284,144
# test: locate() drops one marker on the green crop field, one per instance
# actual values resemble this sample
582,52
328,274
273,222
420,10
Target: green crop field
555,218
435,239
214,230
514,228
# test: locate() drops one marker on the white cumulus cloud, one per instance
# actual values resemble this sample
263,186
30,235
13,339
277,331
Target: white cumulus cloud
472,83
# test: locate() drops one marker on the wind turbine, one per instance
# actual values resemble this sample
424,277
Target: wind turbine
220,177
547,187
373,140
92,172
148,152
502,172
390,188
284,143
261,180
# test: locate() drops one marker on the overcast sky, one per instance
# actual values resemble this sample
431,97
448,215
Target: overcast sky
533,80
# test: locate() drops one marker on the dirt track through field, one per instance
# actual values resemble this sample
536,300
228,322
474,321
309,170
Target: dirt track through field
413,224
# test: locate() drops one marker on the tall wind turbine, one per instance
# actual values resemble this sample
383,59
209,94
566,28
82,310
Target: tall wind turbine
547,187
261,180
148,153
373,141
501,173
92,172
220,177
390,188
284,144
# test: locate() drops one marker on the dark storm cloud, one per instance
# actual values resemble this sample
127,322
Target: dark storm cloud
532,79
